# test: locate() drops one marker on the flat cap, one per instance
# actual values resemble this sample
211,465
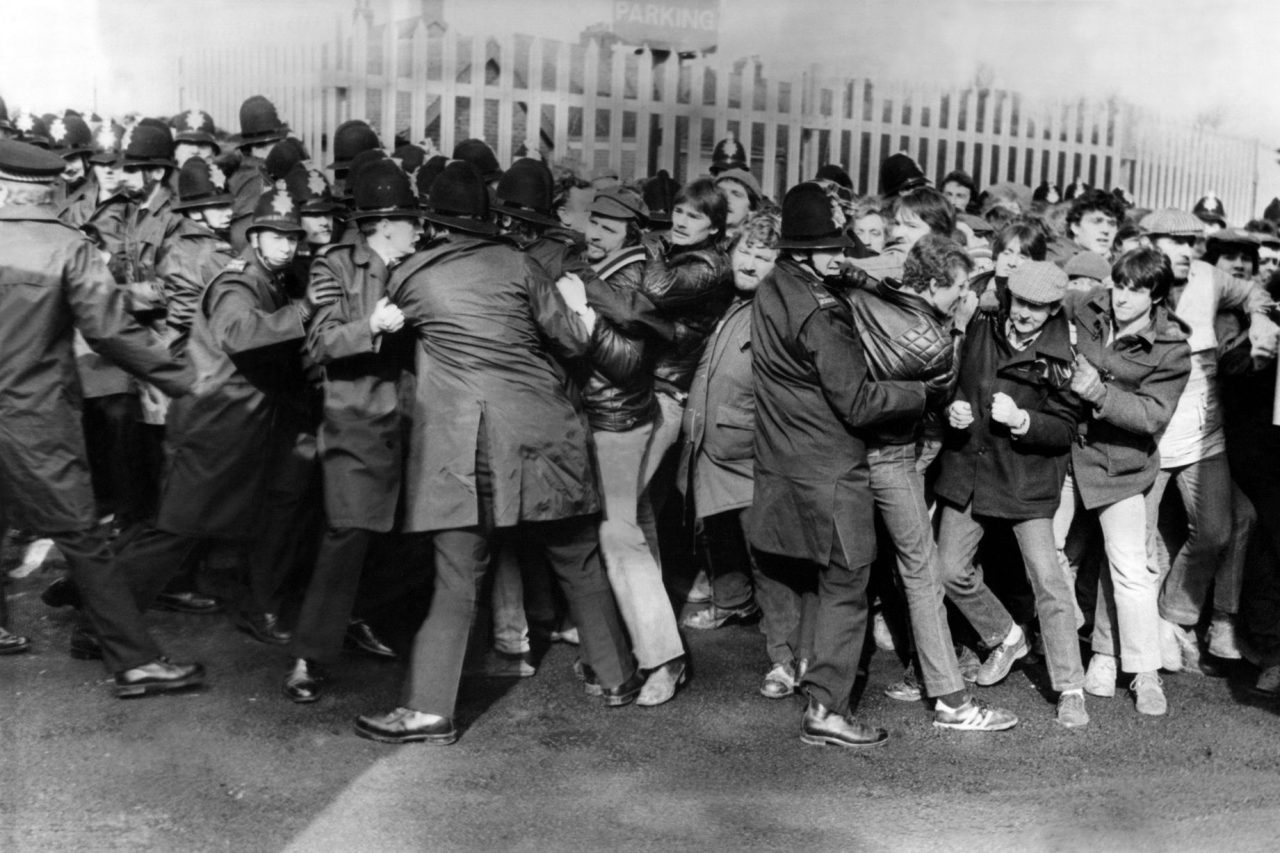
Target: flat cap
1038,282
22,161
1172,222
1088,265
619,203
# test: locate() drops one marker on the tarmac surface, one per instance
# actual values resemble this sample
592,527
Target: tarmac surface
234,766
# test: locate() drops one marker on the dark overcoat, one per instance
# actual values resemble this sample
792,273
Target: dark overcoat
813,397
360,443
1117,456
246,348
486,318
53,280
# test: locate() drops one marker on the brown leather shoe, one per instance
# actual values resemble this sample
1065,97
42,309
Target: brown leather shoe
159,676
405,725
822,726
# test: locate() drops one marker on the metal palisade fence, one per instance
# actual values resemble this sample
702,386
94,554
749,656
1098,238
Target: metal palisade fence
602,104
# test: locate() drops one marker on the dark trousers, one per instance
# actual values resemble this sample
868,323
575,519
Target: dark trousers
462,559
786,590
112,612
331,594
839,619
121,457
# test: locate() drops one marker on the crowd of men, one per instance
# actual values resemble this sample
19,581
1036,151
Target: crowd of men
983,427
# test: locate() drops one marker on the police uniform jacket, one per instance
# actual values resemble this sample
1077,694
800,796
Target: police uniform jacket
814,396
360,434
1116,456
148,237
246,348
99,377
1007,476
75,207
195,255
717,457
485,317
52,279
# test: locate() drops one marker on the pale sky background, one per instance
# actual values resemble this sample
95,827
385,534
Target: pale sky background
1184,58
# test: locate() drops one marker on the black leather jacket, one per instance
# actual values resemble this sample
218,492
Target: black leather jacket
692,286
618,388
902,338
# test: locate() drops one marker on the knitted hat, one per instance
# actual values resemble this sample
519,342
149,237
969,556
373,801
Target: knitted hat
1171,222
807,220
743,177
619,203
1038,282
1088,265
21,161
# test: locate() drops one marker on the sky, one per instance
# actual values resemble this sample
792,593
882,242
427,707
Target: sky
1214,60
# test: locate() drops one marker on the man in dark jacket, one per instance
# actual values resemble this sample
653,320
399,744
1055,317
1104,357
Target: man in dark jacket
1004,459
812,506
52,279
496,444
906,331
351,338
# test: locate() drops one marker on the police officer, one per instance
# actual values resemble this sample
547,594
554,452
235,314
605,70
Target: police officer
812,509
260,130
51,279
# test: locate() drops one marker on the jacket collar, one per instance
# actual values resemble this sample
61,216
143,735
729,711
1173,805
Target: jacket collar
29,213
1164,326
892,291
1054,340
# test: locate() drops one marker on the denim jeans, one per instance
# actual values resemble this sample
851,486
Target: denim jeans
898,489
665,432
1205,487
634,574
1228,582
1126,621
959,535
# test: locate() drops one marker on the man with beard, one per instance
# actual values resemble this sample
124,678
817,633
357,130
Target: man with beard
231,447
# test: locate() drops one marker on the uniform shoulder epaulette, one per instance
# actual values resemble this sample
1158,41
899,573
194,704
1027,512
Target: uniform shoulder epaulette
824,299
332,247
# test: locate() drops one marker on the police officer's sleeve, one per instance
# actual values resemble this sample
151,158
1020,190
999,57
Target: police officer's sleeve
98,306
244,329
828,337
333,332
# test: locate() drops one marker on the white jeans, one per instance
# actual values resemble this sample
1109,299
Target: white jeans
1127,619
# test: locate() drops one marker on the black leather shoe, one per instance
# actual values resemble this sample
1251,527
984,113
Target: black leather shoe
304,682
11,643
61,593
625,693
823,726
159,676
404,725
361,638
263,627
85,646
188,602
